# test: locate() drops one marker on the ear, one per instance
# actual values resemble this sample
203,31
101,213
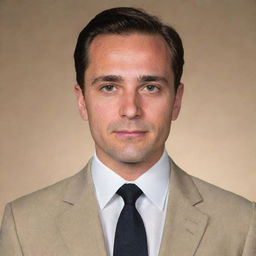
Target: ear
177,102
81,102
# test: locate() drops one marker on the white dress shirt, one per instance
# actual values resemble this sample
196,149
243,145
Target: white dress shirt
151,204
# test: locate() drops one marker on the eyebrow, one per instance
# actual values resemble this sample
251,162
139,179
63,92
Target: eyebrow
141,79
108,78
150,78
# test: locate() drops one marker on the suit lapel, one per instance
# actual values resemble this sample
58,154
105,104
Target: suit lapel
80,225
184,224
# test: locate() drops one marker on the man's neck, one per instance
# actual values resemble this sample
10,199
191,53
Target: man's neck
129,171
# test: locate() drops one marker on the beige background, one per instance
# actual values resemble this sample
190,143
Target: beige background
42,137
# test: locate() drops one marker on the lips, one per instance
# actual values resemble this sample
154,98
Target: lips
127,133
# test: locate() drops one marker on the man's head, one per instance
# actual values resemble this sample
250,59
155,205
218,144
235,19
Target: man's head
126,20
132,87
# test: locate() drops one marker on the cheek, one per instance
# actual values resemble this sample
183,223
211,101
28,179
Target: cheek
160,111
161,117
101,115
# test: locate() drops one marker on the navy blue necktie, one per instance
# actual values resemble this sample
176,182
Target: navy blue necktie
130,237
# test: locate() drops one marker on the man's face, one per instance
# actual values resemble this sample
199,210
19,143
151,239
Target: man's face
129,97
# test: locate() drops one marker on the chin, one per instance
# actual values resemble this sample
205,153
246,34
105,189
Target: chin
131,156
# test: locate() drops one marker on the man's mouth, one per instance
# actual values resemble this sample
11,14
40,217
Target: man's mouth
130,133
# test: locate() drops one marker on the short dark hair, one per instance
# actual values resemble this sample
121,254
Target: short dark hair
123,20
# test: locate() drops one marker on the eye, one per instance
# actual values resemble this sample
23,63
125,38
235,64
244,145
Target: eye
108,88
151,88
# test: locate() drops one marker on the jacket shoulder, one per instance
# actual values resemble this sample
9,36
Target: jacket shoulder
216,194
223,206
216,202
47,199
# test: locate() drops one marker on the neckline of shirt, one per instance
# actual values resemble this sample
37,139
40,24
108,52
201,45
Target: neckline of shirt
154,182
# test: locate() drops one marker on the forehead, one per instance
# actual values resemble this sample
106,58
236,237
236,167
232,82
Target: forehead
130,37
134,50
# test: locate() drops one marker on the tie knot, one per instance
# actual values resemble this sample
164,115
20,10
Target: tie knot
130,193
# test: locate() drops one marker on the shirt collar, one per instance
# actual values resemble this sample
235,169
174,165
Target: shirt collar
154,182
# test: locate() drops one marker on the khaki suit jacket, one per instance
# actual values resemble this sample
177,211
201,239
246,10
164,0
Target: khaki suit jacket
63,220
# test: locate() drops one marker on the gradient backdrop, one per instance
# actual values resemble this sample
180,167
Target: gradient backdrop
42,137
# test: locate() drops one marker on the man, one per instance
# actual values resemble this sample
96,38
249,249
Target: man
130,199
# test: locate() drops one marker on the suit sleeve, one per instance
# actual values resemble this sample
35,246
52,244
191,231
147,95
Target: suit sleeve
250,243
9,242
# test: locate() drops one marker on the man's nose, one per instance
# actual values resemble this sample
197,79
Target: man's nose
130,105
